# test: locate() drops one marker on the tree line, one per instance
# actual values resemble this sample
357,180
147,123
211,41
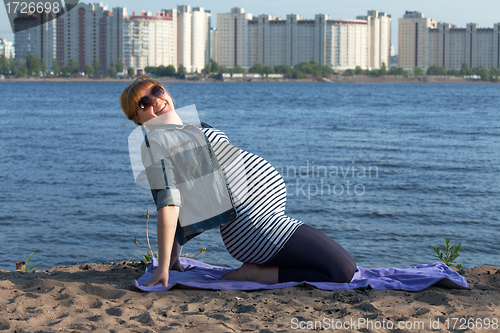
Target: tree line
32,66
169,70
298,71
486,74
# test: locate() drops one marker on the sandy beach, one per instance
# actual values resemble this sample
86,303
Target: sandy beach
100,298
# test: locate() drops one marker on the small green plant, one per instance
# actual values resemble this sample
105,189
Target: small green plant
148,257
450,253
186,255
24,265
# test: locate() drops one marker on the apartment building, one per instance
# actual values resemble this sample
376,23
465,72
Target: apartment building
233,39
36,34
379,37
6,48
213,45
88,32
193,37
150,40
272,41
413,40
423,42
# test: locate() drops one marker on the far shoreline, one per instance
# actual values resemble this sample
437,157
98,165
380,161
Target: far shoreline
333,79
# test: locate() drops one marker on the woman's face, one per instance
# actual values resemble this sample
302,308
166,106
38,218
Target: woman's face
153,103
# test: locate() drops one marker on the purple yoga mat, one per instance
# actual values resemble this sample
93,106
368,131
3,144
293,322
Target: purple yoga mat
415,278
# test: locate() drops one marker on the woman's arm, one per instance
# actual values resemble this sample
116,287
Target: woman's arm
167,223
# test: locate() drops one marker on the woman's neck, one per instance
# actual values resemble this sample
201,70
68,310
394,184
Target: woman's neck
173,118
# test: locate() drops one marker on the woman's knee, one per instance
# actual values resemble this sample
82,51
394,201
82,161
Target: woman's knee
341,273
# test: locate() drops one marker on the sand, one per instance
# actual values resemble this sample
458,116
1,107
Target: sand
99,297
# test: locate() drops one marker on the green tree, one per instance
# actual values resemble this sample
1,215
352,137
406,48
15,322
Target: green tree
223,69
3,64
283,69
88,69
161,70
298,74
436,70
257,68
111,71
20,69
119,66
43,65
32,64
150,69
170,70
358,70
11,64
131,71
418,71
55,66
349,72
305,67
465,70
484,73
206,69
313,62
268,70
238,69
73,66
317,71
215,67
326,70
494,74
398,71
96,64
181,69
383,70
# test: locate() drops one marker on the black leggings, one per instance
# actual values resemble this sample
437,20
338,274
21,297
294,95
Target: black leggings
310,255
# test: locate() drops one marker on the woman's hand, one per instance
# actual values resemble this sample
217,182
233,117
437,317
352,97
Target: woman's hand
160,275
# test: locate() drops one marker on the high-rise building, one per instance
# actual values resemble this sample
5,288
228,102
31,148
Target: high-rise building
423,43
193,37
379,34
6,48
233,38
413,40
273,41
39,40
213,45
89,32
348,44
451,47
150,40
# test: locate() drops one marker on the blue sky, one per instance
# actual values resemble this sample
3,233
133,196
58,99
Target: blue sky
458,12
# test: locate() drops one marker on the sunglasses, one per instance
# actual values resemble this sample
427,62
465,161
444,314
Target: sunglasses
145,102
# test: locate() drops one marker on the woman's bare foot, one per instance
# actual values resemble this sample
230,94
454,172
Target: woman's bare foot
253,272
175,265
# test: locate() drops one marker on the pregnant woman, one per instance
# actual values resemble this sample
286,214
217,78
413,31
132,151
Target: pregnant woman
273,247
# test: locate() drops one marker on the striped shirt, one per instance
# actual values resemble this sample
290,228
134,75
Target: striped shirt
262,228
